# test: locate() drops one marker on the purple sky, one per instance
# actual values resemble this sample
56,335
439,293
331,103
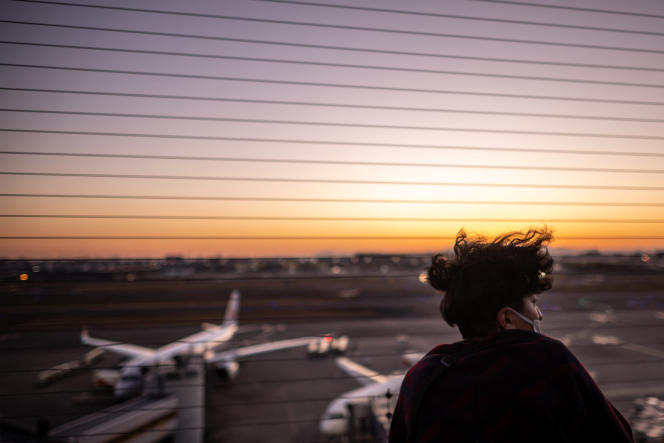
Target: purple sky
412,102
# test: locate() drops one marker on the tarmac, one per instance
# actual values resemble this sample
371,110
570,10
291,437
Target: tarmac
617,333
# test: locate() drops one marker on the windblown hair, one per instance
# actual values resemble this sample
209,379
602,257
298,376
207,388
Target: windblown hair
486,276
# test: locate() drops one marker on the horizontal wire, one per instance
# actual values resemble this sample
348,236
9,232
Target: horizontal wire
630,276
166,260
462,17
149,324
296,237
349,219
261,277
348,163
331,85
363,182
322,259
274,316
177,428
343,377
117,435
326,399
399,356
341,143
371,182
111,413
339,65
236,259
331,379
355,28
340,48
131,325
236,382
339,200
224,237
344,105
638,275
333,124
271,360
242,360
439,336
146,324
277,315
107,413
571,8
394,355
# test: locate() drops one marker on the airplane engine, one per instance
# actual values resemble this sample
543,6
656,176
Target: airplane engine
227,370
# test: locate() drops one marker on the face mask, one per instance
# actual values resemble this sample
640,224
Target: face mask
534,323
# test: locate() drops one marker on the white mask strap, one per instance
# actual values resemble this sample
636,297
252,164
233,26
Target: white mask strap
534,323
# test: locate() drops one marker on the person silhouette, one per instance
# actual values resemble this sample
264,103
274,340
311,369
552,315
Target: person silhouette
505,381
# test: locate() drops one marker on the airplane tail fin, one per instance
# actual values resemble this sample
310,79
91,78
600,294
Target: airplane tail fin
233,309
84,335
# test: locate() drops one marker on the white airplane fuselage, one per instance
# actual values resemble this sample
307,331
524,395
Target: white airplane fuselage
335,420
171,356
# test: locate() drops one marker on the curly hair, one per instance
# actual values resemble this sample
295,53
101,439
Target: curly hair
486,276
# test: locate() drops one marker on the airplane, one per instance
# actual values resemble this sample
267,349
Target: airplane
131,377
381,390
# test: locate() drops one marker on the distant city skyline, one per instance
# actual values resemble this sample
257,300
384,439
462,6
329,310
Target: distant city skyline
274,128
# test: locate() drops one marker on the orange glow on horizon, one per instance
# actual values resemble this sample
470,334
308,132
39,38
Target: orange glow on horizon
442,241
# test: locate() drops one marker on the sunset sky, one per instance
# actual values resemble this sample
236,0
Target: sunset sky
275,128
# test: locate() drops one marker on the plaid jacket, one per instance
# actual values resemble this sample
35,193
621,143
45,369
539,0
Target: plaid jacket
515,386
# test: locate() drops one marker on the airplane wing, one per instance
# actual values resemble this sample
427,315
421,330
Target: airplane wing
361,373
127,350
410,358
198,343
262,348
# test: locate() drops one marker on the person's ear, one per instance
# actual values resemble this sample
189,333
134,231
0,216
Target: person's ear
505,318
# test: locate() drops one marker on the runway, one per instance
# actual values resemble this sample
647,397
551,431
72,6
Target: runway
283,396
617,335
